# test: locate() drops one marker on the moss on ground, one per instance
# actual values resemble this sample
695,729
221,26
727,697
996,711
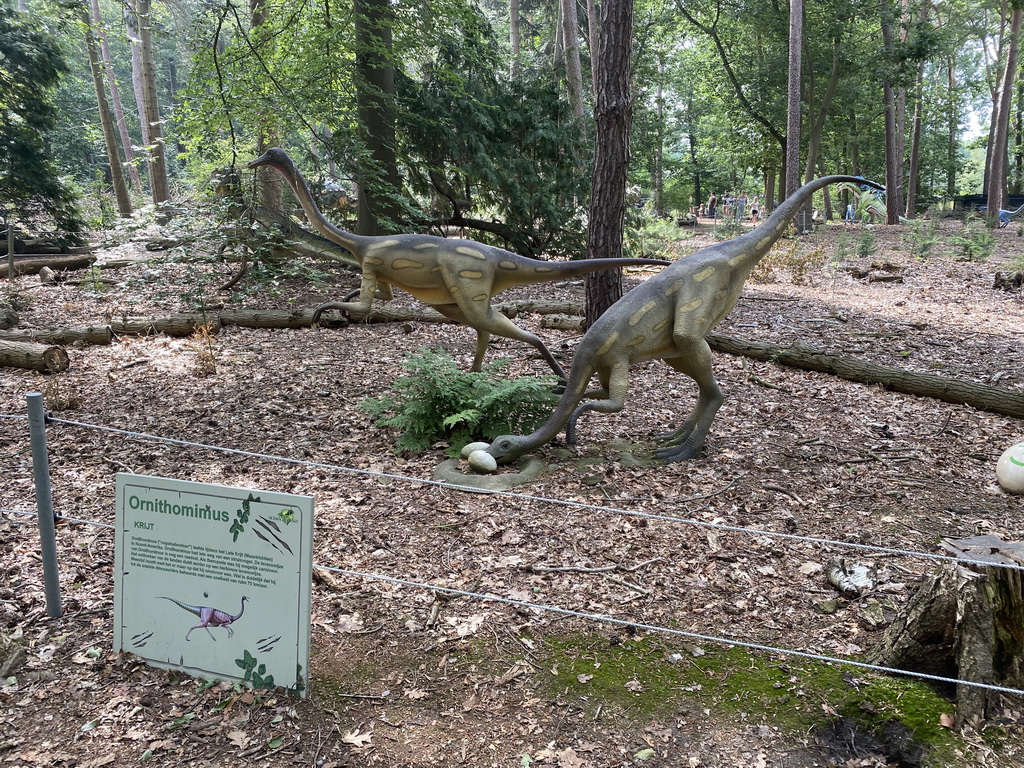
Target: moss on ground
645,678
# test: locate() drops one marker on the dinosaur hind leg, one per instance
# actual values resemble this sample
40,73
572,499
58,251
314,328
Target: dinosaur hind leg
688,441
609,399
492,323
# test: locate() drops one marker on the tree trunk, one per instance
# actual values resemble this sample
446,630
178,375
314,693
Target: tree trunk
131,22
157,162
34,357
514,37
796,32
269,183
996,184
915,145
571,48
892,143
379,180
124,201
115,99
613,116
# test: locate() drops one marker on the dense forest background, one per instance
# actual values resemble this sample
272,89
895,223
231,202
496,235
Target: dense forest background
482,114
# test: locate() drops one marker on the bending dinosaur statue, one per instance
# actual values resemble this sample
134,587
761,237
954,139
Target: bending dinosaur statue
1005,216
667,316
210,617
458,278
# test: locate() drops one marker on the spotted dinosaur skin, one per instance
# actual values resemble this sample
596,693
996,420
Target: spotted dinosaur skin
210,617
458,278
667,317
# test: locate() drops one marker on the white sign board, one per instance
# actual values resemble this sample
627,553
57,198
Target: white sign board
214,581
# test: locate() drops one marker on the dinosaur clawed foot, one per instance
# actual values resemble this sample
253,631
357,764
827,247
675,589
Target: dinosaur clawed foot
681,452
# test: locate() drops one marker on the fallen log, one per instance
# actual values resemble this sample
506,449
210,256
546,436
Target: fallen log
99,334
171,325
946,388
34,357
59,263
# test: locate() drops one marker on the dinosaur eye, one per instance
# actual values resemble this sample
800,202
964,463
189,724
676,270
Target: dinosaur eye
506,444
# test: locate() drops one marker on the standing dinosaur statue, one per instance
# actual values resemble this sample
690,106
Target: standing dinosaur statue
458,278
1005,216
210,617
668,316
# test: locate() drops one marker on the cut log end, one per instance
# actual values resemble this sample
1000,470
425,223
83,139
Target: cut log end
34,357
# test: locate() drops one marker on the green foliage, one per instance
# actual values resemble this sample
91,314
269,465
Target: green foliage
867,244
435,400
975,242
31,64
921,236
653,237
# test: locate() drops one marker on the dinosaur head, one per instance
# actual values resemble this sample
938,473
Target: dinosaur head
275,157
508,448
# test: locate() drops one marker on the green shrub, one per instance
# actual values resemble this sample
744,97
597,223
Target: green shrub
921,237
435,400
974,243
867,244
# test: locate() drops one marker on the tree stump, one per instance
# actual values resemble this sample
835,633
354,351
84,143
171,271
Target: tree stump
967,622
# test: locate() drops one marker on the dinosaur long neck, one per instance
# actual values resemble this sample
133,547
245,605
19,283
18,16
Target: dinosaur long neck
579,378
752,246
241,610
351,242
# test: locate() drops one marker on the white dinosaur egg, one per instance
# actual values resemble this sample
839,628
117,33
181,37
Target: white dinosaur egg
1010,469
477,446
482,462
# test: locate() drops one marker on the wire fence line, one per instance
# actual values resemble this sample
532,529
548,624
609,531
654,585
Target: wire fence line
650,516
567,612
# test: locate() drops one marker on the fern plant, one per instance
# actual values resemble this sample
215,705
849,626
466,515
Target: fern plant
435,400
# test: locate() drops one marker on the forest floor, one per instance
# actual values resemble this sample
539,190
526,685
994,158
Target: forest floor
402,676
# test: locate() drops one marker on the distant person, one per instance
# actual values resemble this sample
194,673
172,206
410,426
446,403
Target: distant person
712,202
755,209
848,215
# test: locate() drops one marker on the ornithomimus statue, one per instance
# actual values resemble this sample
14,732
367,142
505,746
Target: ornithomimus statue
455,277
668,316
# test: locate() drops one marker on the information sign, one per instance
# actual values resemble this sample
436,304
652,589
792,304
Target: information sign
214,581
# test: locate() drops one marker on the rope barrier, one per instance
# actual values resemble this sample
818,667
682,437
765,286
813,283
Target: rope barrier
593,617
817,541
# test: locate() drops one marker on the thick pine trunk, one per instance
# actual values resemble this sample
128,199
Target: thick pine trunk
613,116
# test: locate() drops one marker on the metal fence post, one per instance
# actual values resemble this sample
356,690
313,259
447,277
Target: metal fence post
44,503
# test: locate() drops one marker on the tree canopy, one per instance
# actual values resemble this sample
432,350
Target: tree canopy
31,64
479,123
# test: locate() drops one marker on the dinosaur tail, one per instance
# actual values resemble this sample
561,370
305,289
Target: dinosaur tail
190,608
544,271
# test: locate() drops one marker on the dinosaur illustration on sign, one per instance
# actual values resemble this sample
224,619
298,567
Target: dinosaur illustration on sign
209,617
458,278
668,316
